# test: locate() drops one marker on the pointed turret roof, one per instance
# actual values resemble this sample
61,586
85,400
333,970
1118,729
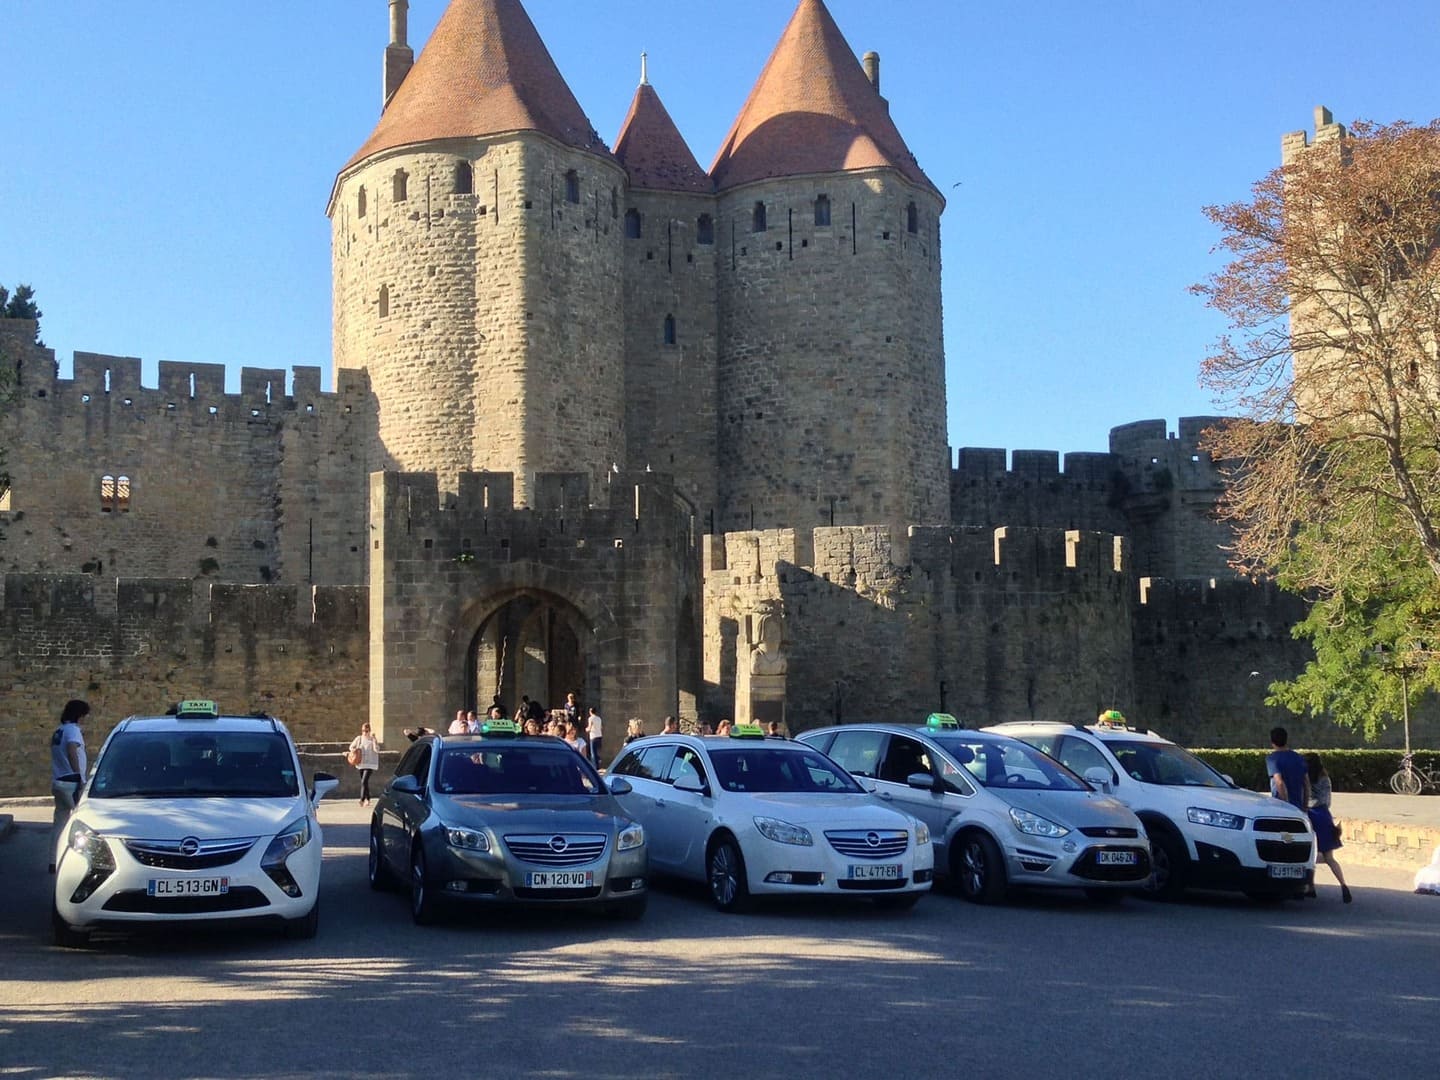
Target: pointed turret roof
484,71
654,152
812,111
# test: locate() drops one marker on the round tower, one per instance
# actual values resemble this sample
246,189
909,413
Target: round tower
831,358
476,246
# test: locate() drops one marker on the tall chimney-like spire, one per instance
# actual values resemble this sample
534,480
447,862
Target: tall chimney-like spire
872,69
644,69
399,57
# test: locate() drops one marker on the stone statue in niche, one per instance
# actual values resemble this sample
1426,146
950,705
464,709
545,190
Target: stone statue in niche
767,656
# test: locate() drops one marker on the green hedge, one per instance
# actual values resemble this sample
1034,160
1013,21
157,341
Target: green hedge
1350,770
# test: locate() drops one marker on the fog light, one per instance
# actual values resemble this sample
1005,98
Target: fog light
637,883
1068,846
458,886
281,877
780,877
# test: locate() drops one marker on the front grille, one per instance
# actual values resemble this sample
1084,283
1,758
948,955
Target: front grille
167,854
242,898
557,894
1088,866
869,843
1279,851
1110,832
873,886
1280,825
557,849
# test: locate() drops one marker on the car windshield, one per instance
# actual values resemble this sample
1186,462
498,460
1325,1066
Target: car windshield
1164,763
762,768
1009,764
196,765
515,770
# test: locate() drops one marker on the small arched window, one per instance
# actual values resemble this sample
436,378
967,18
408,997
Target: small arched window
822,210
669,329
632,224
361,202
384,302
107,493
705,230
122,494
912,219
402,185
757,219
464,178
572,186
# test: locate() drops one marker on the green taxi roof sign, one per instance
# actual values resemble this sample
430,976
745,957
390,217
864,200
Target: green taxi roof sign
747,731
942,721
499,729
193,707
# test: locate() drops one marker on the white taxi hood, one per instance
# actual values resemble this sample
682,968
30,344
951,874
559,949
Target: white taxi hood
823,810
1248,804
174,819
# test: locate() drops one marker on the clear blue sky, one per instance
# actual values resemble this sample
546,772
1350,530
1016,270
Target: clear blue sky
165,164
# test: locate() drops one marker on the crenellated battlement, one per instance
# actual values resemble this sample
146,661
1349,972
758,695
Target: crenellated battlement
1208,599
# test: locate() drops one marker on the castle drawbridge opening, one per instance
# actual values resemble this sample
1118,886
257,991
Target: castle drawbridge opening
535,645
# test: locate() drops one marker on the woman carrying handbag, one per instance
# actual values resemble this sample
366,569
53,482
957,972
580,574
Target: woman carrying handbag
364,754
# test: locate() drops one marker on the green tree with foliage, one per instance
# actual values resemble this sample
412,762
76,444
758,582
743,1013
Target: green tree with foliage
1332,464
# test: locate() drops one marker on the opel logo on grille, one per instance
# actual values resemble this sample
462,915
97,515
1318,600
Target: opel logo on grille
558,844
873,839
1286,838
1112,832
190,847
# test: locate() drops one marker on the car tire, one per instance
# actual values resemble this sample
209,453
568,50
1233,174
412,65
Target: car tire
382,879
1169,864
902,902
725,874
66,936
422,901
632,910
978,868
306,926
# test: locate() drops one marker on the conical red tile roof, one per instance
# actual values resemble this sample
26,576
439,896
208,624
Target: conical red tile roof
654,152
484,71
812,111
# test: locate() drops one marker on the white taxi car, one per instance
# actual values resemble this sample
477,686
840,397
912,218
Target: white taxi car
1205,833
755,816
192,816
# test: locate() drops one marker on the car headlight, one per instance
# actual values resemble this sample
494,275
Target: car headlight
782,832
1199,815
87,842
288,840
632,836
467,839
922,834
1035,825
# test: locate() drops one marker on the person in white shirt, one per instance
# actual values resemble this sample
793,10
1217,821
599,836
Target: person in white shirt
67,758
368,749
459,726
595,732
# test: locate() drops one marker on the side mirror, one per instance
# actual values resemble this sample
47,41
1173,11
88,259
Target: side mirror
405,785
691,782
923,781
868,783
324,785
1228,779
619,785
1100,779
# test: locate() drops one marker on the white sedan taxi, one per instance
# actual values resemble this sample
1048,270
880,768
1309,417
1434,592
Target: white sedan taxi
753,816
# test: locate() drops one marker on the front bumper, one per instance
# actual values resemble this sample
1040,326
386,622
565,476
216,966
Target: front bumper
1041,861
498,877
1221,868
775,869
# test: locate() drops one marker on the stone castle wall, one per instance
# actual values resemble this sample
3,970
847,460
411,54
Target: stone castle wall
252,487
832,382
133,646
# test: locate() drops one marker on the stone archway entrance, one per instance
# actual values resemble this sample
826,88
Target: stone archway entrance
533,644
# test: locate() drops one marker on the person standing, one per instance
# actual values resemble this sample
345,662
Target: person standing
1289,779
67,758
1327,837
368,749
595,732
458,726
572,710
635,730
672,726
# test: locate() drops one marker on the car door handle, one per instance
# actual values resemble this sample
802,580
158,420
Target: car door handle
660,803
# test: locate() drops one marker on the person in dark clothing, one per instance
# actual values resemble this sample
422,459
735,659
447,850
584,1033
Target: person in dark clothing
1289,777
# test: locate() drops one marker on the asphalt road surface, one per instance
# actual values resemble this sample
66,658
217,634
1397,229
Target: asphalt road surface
1047,985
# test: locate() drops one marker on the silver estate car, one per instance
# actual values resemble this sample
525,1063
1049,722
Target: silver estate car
502,818
1000,812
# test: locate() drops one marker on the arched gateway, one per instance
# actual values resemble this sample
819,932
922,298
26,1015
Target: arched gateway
471,597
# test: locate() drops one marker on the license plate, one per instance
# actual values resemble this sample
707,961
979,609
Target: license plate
1116,858
870,872
200,886
560,879
1295,871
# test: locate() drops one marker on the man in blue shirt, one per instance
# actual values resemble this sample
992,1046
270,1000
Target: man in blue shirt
1289,778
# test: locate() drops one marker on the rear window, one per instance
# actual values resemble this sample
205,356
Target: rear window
196,764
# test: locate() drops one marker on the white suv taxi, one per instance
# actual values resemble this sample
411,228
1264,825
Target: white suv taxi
192,816
1205,833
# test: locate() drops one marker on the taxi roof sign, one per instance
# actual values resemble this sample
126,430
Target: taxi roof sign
747,731
193,707
942,721
499,729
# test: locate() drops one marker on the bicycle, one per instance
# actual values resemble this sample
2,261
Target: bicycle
1411,779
